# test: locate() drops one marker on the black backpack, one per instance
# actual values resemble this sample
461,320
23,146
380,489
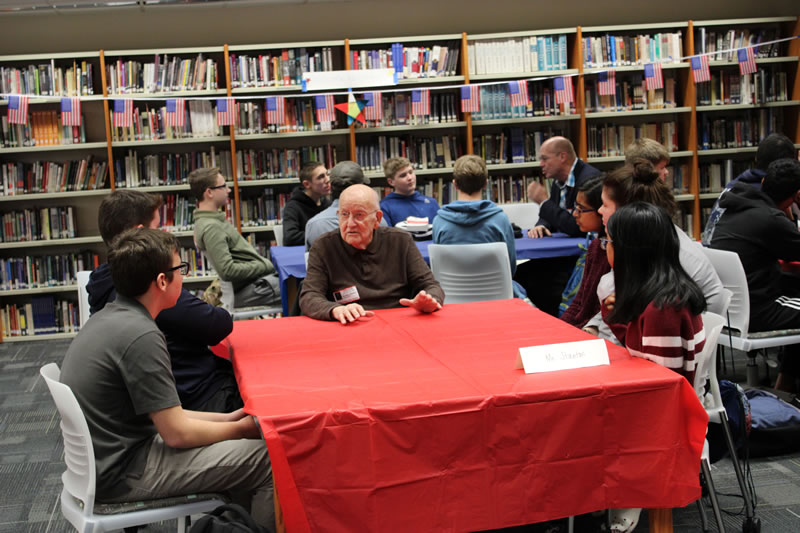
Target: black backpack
236,521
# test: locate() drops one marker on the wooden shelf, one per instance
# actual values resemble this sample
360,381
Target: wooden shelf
160,142
619,158
759,61
208,278
431,126
268,181
684,197
526,120
733,107
635,27
634,68
418,171
51,242
638,112
49,195
709,195
290,134
44,337
54,148
727,151
522,75
38,290
257,229
163,95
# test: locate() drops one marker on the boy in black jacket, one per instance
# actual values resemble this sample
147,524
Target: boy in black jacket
306,201
755,225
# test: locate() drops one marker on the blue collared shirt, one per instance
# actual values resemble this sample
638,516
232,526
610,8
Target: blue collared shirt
564,187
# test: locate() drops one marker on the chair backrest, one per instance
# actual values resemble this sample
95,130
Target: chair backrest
523,215
472,272
82,279
277,230
79,478
705,362
731,273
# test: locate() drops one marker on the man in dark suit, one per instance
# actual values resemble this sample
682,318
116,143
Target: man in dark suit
560,163
545,279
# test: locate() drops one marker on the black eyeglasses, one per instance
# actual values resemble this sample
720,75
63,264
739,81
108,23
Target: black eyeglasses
580,210
219,186
604,242
183,267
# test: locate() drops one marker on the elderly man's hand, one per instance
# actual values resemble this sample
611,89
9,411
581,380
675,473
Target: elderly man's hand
538,232
349,313
422,302
536,192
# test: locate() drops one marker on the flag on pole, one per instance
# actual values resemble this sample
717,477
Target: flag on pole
653,77
519,93
373,109
17,109
71,111
700,70
470,99
421,102
325,110
176,113
747,60
226,112
123,113
607,82
276,110
563,89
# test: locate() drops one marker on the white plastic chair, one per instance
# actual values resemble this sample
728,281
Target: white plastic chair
731,274
277,230
77,497
472,272
82,279
523,215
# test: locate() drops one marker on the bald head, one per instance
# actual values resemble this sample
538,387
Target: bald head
556,158
359,215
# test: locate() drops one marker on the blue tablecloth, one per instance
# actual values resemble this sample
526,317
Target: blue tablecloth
290,261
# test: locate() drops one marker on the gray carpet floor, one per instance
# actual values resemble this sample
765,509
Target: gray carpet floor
31,460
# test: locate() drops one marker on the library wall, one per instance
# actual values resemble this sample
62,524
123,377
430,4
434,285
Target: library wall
203,25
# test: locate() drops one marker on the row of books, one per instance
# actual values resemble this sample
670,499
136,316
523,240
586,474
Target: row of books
41,316
299,115
725,42
729,87
509,189
39,224
199,264
48,80
397,110
163,169
610,140
423,152
715,176
534,53
164,74
280,163
630,94
685,220
678,178
43,128
48,176
410,62
34,272
742,131
618,50
264,209
513,145
279,69
495,103
200,120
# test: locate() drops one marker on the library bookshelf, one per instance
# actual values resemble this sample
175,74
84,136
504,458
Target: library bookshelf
59,179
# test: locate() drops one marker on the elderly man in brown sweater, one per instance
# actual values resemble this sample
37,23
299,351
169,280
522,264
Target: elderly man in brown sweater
364,266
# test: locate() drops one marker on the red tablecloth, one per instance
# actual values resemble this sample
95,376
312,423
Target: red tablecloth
411,422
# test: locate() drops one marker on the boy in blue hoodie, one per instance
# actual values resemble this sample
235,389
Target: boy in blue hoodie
471,219
405,201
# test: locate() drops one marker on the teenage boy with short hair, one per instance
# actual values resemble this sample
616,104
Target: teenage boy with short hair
307,200
405,201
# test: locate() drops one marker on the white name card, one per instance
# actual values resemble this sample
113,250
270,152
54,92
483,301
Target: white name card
348,79
564,356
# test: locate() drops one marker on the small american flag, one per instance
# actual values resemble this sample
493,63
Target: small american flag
470,99
747,60
421,102
700,70
276,111
123,113
607,82
17,109
176,113
653,77
325,110
71,111
563,89
226,112
373,109
519,93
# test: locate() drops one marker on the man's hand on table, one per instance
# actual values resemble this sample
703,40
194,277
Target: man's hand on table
536,192
349,313
422,302
538,232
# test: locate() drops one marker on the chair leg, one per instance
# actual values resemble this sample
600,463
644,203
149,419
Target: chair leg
183,524
712,494
752,369
571,524
703,517
748,503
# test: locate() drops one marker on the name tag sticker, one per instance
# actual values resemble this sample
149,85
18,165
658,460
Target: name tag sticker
563,356
346,295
